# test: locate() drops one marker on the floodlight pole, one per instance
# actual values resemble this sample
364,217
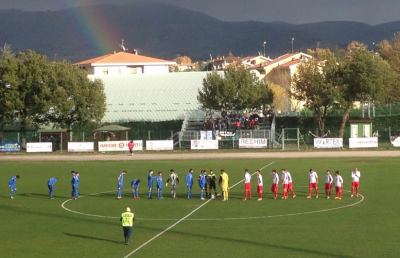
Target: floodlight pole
264,44
292,44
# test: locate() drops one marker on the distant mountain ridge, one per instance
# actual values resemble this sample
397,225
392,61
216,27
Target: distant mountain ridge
167,31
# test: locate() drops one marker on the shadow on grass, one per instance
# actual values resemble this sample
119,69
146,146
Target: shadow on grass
261,244
42,196
51,215
93,238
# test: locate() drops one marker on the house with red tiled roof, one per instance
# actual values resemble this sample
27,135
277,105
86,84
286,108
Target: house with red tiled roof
124,63
255,61
290,60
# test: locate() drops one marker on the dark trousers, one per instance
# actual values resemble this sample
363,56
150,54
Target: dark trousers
127,233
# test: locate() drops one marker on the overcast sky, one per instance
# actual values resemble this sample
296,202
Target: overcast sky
291,11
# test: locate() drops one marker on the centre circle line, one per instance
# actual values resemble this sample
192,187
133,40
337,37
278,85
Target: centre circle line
183,218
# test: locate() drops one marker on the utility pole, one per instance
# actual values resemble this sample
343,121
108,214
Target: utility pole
292,44
264,44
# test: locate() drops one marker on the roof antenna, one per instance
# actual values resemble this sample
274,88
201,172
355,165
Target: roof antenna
122,46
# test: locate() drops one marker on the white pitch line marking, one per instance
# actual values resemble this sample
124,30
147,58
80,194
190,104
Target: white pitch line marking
182,219
212,219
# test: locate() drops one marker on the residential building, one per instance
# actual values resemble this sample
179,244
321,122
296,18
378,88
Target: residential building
125,64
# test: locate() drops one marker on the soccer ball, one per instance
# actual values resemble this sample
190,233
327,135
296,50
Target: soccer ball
212,196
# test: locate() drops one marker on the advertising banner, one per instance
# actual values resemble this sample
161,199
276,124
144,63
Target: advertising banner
253,143
80,146
39,147
204,144
328,143
10,147
160,145
119,146
366,142
395,141
206,135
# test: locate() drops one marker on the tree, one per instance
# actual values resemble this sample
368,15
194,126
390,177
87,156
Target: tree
390,51
281,98
280,81
321,54
76,100
183,60
8,82
361,76
35,91
32,103
238,89
312,87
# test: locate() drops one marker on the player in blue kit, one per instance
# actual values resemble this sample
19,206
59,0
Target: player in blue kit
51,185
202,184
150,179
189,183
12,184
159,183
120,184
75,185
135,188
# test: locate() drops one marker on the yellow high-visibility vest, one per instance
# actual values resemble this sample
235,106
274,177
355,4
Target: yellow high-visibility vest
127,219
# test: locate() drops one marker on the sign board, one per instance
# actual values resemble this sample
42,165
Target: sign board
10,147
328,143
206,135
366,142
204,144
119,146
39,147
395,141
253,143
80,146
160,145
226,134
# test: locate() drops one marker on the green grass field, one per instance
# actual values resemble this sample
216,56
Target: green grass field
34,226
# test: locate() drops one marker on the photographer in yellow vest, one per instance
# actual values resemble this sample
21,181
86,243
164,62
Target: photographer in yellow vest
127,219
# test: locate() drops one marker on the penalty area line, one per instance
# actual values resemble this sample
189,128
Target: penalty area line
183,218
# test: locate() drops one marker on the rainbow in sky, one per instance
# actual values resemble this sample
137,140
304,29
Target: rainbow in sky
95,27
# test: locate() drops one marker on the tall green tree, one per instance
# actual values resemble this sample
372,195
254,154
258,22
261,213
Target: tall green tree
237,89
315,89
361,76
8,85
34,74
76,100
389,50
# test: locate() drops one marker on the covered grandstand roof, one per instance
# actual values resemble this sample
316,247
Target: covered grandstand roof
112,127
151,97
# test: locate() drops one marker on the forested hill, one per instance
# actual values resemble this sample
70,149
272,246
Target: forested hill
166,31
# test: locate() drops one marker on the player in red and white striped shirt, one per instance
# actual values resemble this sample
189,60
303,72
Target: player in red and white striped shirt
338,185
312,183
328,184
260,186
355,181
247,185
285,183
275,182
290,185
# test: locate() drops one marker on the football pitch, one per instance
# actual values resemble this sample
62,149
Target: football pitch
32,225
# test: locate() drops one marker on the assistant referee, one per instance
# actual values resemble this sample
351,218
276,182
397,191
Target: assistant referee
127,219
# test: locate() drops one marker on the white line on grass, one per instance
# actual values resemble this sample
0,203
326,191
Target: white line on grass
182,219
284,215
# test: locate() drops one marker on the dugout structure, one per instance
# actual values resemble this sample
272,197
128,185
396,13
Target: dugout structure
360,128
111,133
